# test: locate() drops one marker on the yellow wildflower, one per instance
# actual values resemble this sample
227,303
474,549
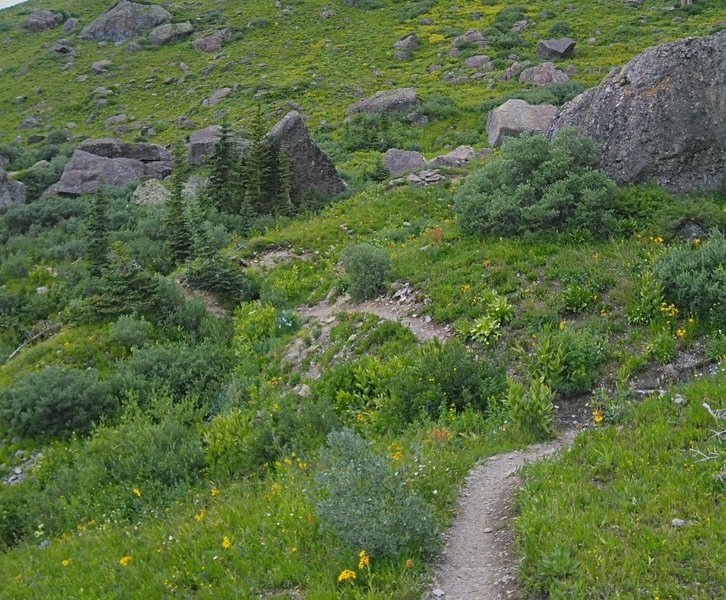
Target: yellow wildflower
276,488
409,563
200,515
364,561
598,415
65,562
215,491
346,575
226,543
124,560
680,332
137,491
563,324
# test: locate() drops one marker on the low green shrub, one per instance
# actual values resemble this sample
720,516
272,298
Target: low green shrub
535,185
363,499
368,268
694,278
130,331
531,410
55,402
222,278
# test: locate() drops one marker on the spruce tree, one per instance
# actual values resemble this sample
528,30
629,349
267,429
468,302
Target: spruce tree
284,184
257,167
199,227
225,186
178,235
97,245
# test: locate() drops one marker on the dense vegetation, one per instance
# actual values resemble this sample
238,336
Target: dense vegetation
183,429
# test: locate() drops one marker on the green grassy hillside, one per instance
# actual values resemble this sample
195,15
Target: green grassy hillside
191,405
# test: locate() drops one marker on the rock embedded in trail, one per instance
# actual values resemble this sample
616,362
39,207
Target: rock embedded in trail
515,117
124,21
661,117
560,48
402,100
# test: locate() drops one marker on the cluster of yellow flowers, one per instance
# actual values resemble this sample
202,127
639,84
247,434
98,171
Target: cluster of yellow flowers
598,415
364,562
124,560
669,310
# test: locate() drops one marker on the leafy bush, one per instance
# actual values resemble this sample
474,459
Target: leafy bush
694,278
535,185
368,269
560,29
56,401
130,331
177,369
380,132
531,411
366,503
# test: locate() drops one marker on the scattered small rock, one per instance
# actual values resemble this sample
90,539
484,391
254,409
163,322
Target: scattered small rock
559,48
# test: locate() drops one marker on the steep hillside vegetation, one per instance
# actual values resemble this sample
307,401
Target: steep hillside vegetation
249,390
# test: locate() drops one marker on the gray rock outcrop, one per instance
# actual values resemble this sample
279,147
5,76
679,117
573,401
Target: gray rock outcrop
201,143
402,100
515,117
41,19
661,117
560,48
456,158
124,21
402,161
112,163
470,38
310,167
150,193
11,192
217,96
213,42
169,32
479,61
543,74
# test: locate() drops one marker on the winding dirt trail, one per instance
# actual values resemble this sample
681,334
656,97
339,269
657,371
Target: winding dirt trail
479,561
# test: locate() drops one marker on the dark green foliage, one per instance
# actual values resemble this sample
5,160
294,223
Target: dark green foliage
411,10
257,167
55,402
19,218
560,29
437,106
97,244
177,369
129,331
373,132
221,277
442,376
694,278
368,268
366,503
125,287
535,185
178,235
225,190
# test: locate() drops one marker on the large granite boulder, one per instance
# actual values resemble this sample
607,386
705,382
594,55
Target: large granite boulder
661,117
11,192
543,74
310,167
112,163
515,117
169,32
401,161
401,100
41,19
125,20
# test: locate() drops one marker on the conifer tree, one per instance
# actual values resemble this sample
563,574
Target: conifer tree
284,184
178,235
225,190
97,245
257,167
199,227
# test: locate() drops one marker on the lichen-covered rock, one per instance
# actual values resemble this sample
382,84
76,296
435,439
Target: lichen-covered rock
41,19
11,192
310,167
456,158
113,148
124,21
402,161
402,100
661,117
515,117
169,32
150,193
543,74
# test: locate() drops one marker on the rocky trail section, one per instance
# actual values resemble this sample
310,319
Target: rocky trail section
479,561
